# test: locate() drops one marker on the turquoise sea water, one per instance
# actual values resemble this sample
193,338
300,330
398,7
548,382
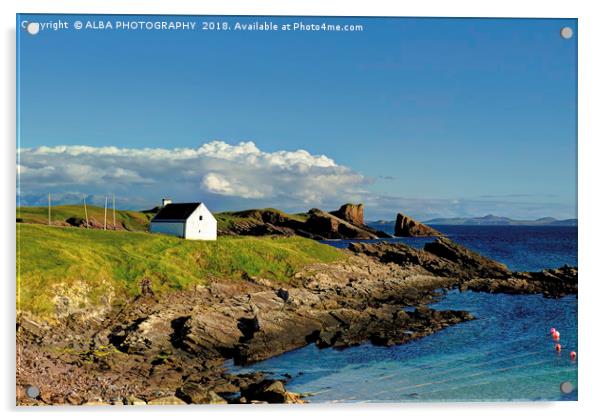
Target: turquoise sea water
506,354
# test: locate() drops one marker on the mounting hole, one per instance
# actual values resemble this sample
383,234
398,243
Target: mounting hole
33,28
32,391
566,387
566,32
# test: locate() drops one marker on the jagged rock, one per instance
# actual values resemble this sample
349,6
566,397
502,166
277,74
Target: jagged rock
351,213
406,226
318,225
354,215
328,226
472,264
442,257
397,253
552,283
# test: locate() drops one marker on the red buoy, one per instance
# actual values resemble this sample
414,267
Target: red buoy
552,331
573,355
556,336
558,347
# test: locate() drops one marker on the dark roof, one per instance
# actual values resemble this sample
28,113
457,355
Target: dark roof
176,211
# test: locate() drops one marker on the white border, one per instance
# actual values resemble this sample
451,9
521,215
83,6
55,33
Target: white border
590,115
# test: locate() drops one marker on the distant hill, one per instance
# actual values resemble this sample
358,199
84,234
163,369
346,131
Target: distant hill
491,220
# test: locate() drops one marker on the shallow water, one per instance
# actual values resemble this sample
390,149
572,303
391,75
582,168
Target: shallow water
506,354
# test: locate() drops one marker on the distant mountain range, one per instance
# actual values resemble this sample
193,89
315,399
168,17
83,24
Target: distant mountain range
491,220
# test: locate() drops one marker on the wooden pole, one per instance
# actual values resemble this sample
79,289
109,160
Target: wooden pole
114,225
86,212
49,205
106,202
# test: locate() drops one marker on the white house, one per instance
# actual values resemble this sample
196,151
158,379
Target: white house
185,220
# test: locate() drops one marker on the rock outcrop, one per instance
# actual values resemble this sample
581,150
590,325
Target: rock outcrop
552,283
316,224
471,270
406,226
260,222
351,213
442,258
93,223
327,226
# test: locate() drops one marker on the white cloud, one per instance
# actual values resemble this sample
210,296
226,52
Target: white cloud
216,168
219,184
235,176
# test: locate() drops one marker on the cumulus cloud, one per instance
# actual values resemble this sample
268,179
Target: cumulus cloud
215,169
236,176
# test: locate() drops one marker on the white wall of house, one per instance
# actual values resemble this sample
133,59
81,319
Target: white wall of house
168,228
201,225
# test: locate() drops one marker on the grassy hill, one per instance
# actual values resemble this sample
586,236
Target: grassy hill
137,221
227,219
86,267
126,219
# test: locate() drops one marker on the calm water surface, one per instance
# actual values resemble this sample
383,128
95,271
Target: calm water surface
505,354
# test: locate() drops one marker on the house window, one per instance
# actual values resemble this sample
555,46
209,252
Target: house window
200,217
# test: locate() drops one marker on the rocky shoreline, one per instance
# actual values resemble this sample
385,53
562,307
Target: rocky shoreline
171,349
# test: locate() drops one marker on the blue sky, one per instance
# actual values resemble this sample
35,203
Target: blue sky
437,117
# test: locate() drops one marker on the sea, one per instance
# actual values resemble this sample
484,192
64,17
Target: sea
505,354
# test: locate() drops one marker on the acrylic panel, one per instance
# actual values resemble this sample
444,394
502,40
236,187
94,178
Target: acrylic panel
239,209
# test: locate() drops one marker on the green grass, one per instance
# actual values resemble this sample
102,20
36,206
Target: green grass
131,220
93,264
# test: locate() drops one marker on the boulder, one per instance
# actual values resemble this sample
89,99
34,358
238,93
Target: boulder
406,226
169,400
194,393
268,390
